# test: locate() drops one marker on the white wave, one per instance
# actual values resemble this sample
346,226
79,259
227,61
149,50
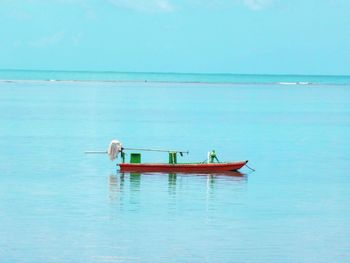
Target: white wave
287,83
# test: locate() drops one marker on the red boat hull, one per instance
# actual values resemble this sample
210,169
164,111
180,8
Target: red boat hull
182,168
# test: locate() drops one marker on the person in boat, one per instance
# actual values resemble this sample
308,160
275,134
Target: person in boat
212,157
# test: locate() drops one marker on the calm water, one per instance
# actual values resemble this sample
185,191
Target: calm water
172,77
59,205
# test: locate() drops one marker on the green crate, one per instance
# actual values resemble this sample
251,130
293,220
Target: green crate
135,158
172,158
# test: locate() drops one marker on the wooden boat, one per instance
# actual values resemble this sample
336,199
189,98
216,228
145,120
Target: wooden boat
182,167
210,165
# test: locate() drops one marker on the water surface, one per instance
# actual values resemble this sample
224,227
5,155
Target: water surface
59,205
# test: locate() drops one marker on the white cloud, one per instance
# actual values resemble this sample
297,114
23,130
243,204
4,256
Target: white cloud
19,14
253,5
48,40
145,5
257,4
76,39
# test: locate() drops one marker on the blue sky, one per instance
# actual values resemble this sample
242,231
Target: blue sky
231,36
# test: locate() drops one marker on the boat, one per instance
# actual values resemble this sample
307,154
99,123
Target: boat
182,167
210,165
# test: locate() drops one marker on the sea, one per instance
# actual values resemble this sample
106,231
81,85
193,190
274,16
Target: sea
58,204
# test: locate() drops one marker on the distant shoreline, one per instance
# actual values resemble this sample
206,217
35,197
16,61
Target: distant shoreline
22,76
301,83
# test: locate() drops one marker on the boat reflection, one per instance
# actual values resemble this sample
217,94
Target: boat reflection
130,183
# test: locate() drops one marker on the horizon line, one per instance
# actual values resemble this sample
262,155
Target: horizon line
181,73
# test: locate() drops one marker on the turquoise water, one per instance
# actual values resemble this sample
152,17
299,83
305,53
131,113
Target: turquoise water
173,77
59,205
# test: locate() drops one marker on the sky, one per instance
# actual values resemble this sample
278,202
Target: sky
190,36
